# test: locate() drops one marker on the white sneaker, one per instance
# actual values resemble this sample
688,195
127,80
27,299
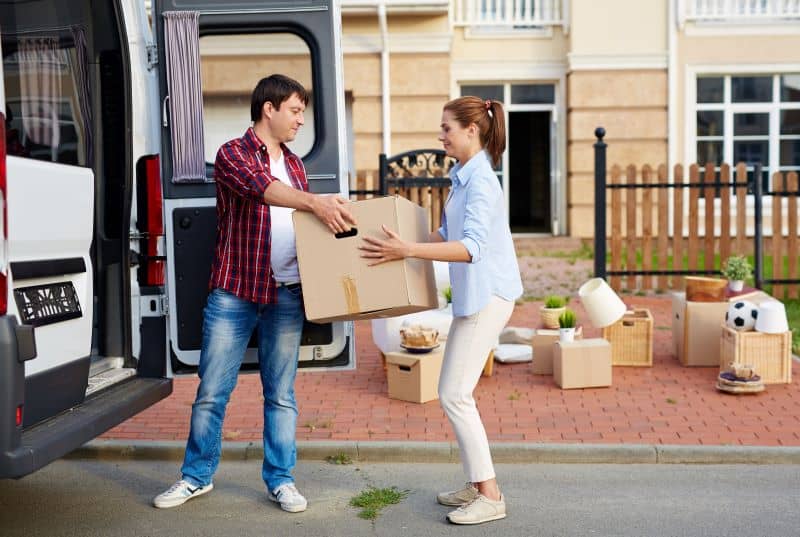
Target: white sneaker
457,498
478,511
179,493
289,498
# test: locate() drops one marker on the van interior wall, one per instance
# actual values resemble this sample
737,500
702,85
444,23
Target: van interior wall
113,184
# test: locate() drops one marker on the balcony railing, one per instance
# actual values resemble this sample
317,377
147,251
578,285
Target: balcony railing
509,13
739,10
396,6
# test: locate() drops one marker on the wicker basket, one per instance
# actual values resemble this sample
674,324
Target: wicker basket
550,317
769,354
631,339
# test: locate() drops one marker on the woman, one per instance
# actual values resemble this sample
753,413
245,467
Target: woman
484,275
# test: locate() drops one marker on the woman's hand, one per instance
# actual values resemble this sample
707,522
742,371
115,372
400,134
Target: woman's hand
381,251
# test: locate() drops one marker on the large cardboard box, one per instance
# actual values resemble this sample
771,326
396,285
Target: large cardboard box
582,364
542,343
338,284
696,327
414,377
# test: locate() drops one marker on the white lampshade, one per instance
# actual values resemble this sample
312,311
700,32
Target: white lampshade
772,317
602,304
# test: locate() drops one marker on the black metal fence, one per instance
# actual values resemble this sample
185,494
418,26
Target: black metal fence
754,185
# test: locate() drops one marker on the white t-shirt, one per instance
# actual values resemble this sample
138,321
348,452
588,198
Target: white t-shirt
283,251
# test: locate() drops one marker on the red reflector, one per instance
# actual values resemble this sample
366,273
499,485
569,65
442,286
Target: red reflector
154,221
3,190
19,415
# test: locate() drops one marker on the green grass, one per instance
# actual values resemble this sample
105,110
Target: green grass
372,500
793,313
339,458
584,252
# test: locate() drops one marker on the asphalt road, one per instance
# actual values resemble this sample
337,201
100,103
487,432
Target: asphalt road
112,498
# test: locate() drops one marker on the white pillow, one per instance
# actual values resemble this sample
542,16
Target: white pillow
510,352
515,334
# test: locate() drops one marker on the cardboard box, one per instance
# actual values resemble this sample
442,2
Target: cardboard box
769,354
582,364
414,377
696,327
542,343
337,283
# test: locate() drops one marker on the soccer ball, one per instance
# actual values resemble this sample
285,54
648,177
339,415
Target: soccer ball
741,315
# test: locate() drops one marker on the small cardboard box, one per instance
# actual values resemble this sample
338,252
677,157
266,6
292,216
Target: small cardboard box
582,364
696,327
414,377
338,285
542,343
769,354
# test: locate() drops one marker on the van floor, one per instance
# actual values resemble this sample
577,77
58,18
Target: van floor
105,371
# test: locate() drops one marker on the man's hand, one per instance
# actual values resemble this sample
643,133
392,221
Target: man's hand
380,251
332,211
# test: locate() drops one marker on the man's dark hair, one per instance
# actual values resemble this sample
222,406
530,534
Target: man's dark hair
275,89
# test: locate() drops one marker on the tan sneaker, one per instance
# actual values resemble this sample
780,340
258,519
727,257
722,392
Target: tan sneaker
478,511
456,498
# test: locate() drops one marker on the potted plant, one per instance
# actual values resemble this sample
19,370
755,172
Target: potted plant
554,305
737,269
566,326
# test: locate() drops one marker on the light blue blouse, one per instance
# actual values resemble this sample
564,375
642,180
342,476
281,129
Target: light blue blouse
475,215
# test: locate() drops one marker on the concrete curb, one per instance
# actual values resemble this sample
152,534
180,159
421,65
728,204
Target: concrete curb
448,452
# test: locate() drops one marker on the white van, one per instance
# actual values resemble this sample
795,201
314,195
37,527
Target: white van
108,198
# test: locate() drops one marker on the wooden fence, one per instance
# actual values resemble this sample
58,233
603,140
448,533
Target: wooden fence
653,245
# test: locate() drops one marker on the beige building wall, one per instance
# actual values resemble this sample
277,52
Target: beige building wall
419,74
617,80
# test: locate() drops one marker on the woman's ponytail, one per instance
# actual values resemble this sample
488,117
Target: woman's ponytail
495,137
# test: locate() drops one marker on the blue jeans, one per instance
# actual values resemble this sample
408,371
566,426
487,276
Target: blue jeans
228,322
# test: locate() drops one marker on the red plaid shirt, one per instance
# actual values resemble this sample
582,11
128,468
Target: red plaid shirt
242,255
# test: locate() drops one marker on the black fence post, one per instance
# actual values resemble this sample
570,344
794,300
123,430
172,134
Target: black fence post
758,192
382,173
600,203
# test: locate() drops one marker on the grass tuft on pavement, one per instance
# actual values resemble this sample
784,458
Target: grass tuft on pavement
339,458
372,500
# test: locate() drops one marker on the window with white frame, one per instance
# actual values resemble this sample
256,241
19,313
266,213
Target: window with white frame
749,118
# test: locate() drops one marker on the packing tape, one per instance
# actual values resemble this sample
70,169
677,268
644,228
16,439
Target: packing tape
350,294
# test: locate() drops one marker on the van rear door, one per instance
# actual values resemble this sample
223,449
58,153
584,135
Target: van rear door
240,43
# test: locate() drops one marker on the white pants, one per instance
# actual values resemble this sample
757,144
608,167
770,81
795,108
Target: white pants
469,342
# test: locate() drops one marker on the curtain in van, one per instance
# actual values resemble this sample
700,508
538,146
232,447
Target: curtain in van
41,63
79,67
182,50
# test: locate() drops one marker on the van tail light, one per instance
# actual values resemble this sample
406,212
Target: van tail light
18,419
3,221
151,221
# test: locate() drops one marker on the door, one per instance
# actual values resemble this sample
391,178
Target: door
50,191
236,47
530,153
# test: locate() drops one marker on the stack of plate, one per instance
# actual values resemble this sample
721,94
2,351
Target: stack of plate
728,382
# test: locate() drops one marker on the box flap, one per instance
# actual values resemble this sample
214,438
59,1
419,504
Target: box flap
408,360
420,281
584,343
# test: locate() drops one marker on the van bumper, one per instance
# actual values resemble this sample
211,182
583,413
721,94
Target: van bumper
53,438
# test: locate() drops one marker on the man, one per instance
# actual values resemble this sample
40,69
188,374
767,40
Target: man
255,284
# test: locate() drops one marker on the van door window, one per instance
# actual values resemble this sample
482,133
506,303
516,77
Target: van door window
231,65
48,95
